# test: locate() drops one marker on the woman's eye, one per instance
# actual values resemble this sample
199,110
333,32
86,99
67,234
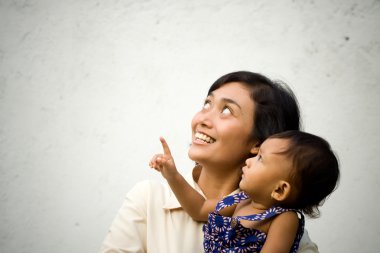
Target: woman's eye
206,105
226,111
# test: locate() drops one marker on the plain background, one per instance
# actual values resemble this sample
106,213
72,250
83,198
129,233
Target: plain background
87,87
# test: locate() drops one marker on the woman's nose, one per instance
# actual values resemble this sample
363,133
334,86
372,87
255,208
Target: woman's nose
206,118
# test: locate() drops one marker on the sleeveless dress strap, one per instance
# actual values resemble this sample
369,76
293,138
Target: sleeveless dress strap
269,213
230,200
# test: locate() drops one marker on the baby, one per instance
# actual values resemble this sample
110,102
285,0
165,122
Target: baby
291,175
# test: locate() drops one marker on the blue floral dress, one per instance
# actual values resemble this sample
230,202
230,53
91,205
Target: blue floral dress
226,234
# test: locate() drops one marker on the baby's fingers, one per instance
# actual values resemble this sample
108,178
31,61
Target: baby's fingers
165,147
155,162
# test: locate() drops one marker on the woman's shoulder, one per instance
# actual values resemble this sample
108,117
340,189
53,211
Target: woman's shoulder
144,195
150,192
148,187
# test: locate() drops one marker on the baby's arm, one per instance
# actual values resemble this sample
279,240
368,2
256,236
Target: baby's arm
281,233
191,200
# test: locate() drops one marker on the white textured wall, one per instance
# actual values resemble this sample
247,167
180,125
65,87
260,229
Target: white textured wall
86,88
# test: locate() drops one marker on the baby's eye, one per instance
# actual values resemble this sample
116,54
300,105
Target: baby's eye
226,111
259,157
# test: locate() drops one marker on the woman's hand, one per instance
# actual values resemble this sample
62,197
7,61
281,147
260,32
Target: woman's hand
164,163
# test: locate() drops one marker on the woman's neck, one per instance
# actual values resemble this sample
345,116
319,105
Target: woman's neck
217,183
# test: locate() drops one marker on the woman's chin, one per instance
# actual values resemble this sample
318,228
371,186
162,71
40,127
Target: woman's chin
195,154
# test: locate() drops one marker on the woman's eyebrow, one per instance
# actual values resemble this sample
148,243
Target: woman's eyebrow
226,100
231,101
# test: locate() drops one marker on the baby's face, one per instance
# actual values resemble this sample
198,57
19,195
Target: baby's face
263,171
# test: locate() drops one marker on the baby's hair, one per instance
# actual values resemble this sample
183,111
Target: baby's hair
315,173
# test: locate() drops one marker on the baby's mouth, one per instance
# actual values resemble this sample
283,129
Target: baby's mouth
204,138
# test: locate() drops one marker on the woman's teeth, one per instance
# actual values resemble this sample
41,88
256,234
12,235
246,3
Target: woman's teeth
204,138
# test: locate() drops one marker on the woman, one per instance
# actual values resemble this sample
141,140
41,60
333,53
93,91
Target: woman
246,109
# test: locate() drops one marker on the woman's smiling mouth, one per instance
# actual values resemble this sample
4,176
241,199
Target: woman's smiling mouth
204,138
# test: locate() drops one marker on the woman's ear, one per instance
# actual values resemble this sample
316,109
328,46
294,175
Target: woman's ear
282,191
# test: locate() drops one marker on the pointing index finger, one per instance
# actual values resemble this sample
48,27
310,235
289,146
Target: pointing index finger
165,146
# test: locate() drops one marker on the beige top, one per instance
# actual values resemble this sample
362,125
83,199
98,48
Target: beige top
151,220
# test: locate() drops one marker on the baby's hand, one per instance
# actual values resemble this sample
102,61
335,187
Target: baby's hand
164,162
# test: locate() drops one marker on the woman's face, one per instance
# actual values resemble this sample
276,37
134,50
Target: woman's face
221,130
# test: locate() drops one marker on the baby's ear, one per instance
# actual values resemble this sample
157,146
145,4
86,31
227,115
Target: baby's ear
282,191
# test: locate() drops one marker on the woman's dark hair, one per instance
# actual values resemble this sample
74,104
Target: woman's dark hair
276,107
315,172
